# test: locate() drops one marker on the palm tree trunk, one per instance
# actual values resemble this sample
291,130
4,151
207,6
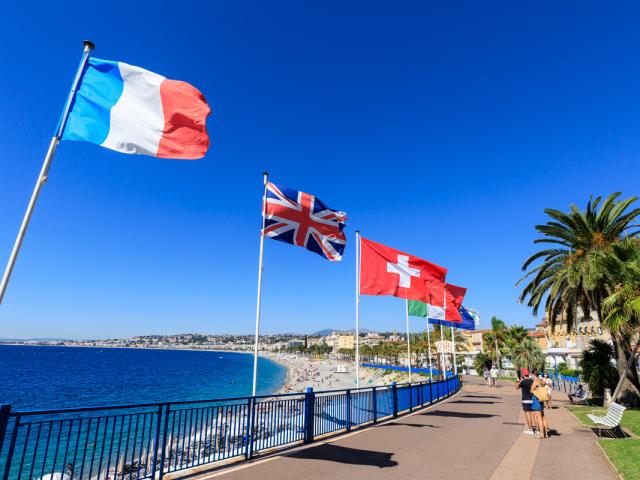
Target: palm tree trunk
627,388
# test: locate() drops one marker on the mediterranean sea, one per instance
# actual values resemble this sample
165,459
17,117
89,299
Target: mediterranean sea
43,377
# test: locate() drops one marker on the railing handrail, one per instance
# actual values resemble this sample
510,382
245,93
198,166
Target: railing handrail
157,439
24,413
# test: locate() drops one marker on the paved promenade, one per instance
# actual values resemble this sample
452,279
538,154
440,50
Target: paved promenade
476,434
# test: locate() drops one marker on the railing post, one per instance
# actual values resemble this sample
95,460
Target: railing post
394,390
375,405
410,397
155,443
251,408
12,446
165,431
309,408
348,412
430,392
5,410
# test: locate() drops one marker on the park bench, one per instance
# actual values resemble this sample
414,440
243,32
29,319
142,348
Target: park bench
579,399
611,420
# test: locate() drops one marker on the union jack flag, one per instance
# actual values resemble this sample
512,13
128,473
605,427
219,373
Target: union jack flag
301,219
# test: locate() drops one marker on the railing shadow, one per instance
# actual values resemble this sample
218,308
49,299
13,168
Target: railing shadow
444,413
415,425
482,402
350,456
479,396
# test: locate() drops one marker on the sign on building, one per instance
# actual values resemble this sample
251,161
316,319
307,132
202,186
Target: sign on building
444,347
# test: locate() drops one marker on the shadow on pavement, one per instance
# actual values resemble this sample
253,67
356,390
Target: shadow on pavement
416,425
351,456
442,413
484,402
480,396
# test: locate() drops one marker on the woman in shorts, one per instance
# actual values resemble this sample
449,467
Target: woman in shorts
537,409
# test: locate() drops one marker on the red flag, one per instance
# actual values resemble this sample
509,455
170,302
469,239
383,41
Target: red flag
445,301
387,271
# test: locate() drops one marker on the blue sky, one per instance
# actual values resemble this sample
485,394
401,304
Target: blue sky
442,130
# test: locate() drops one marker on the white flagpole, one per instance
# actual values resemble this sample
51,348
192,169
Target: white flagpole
444,357
429,342
453,349
357,309
406,303
444,367
44,171
260,268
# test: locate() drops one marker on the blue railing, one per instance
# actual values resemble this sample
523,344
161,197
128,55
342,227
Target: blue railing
566,383
396,368
147,441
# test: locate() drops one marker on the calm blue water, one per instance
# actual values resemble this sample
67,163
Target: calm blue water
61,377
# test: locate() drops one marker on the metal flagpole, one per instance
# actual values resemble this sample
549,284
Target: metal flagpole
260,268
444,317
444,358
357,309
453,349
406,304
429,343
44,172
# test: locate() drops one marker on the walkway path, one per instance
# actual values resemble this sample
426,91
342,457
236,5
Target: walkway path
477,434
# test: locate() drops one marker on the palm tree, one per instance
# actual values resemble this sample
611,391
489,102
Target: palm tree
495,340
420,346
514,335
527,353
619,267
564,278
597,368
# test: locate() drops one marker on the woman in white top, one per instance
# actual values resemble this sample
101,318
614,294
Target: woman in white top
548,383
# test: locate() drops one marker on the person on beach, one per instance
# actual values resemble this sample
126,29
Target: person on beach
525,387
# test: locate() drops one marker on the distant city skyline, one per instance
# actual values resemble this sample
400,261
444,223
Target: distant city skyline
443,132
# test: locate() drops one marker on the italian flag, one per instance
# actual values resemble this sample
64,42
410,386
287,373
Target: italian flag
445,303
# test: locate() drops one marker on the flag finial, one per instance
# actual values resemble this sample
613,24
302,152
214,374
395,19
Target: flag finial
89,44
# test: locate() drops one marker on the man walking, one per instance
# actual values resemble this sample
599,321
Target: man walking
494,376
525,387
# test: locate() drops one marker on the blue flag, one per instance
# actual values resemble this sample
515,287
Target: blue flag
468,322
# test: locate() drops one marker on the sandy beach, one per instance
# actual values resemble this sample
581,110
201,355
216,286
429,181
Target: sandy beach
322,374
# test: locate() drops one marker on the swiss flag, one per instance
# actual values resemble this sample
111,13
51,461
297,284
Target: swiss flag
445,301
387,271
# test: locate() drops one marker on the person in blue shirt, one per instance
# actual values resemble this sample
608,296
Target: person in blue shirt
537,408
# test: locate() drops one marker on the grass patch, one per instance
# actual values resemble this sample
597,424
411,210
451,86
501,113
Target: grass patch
624,453
513,379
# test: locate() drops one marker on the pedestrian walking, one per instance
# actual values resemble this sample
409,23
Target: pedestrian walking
524,386
548,383
486,376
494,376
538,398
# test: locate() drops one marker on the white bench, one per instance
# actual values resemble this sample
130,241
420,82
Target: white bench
611,420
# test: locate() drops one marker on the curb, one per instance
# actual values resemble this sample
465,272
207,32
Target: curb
611,464
604,454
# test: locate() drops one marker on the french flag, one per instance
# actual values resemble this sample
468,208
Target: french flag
133,110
